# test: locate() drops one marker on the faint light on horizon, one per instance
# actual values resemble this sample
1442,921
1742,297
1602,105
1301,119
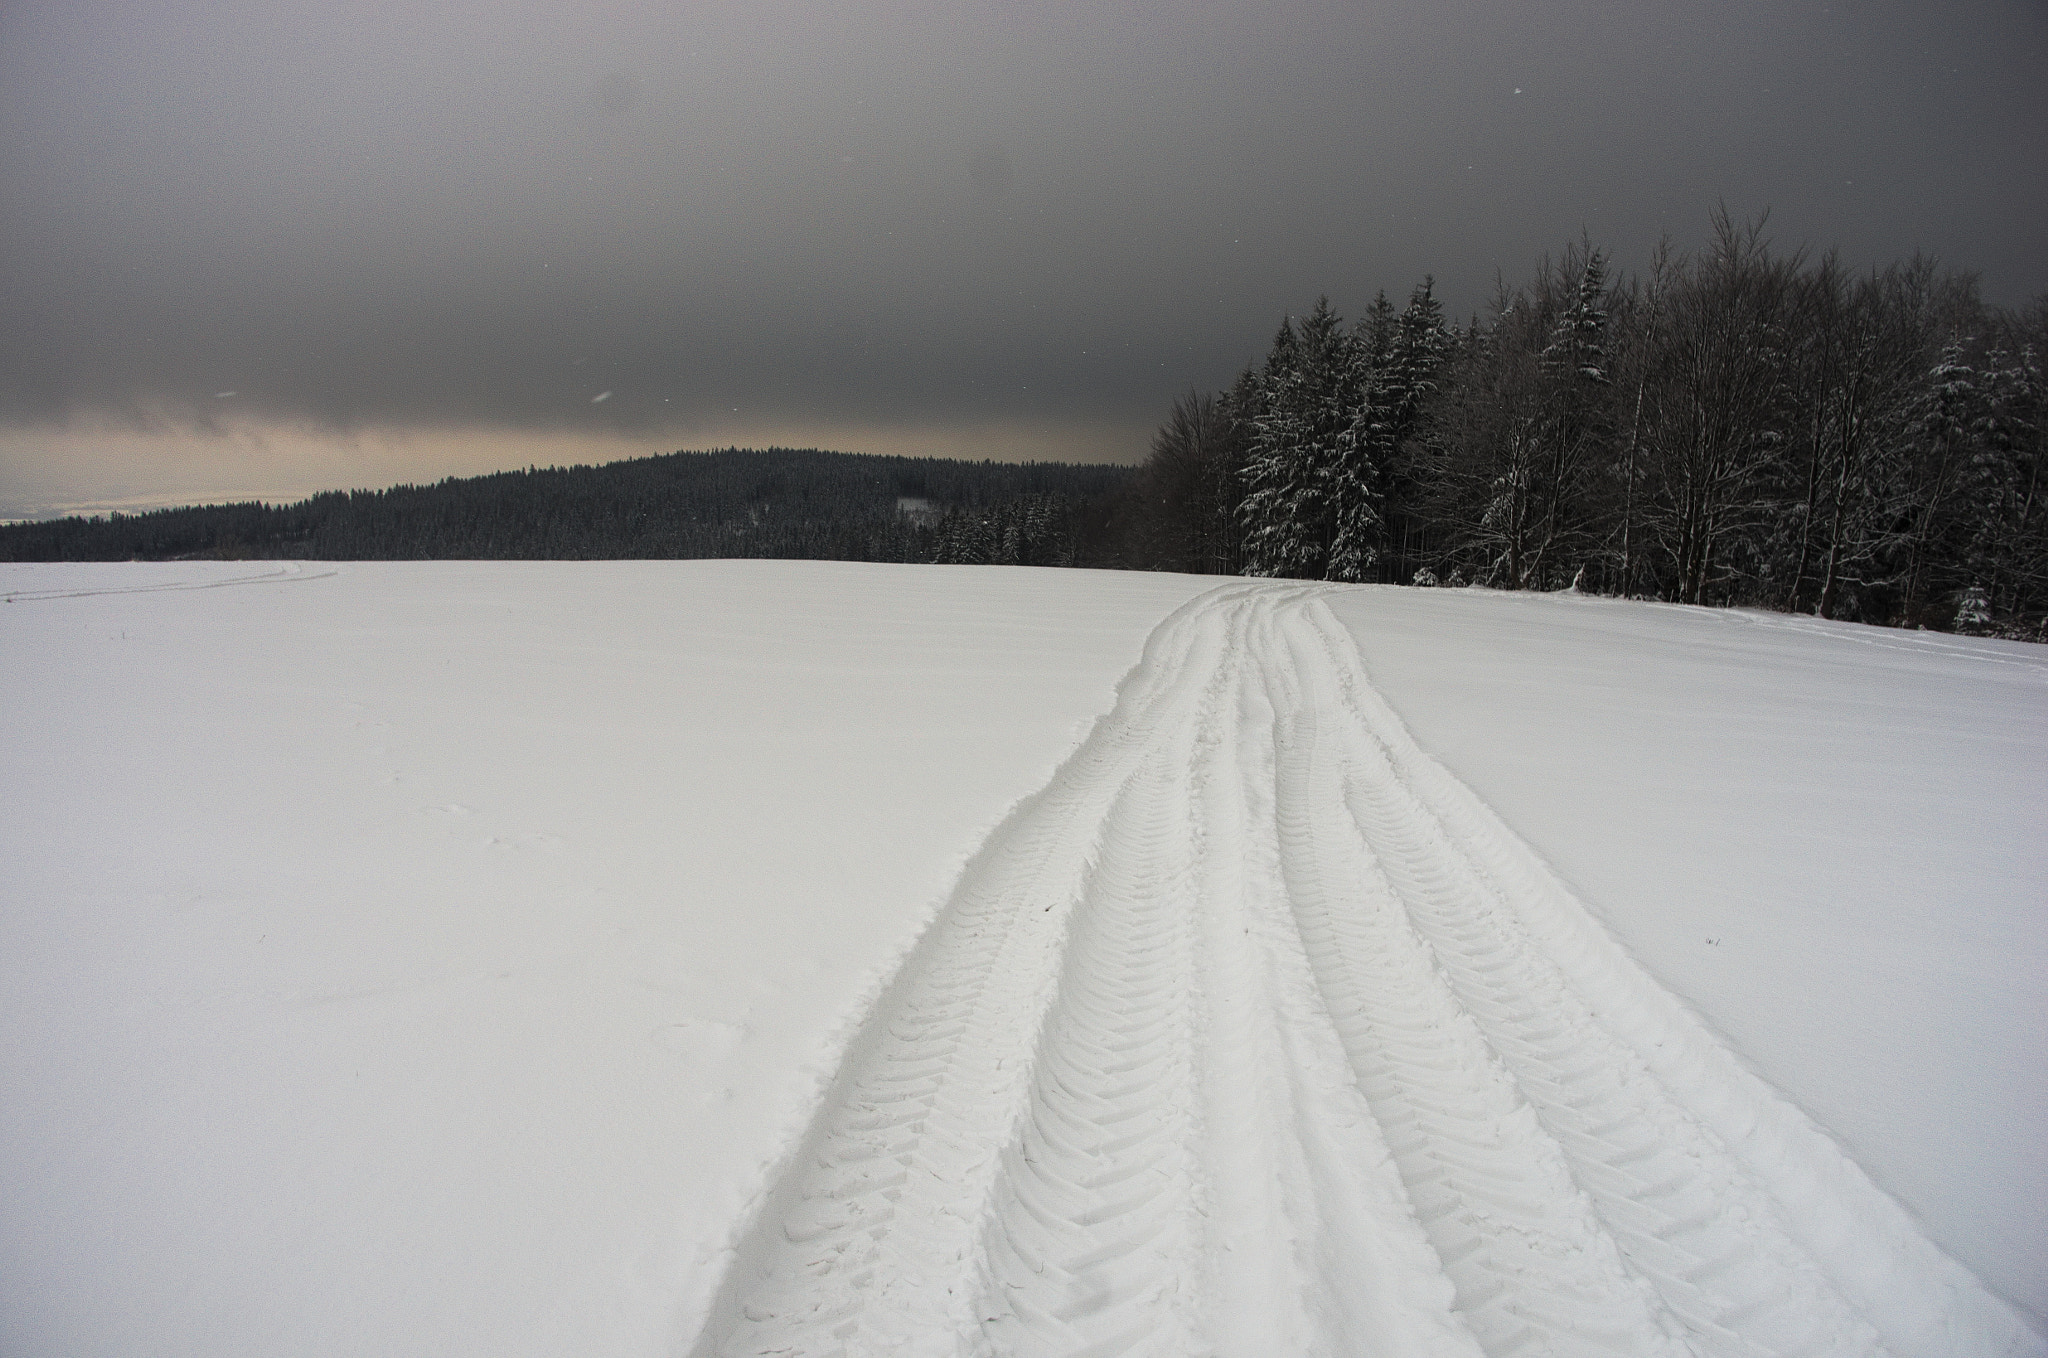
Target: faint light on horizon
600,398
222,395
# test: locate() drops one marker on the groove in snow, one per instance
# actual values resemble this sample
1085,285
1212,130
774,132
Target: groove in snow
1256,1032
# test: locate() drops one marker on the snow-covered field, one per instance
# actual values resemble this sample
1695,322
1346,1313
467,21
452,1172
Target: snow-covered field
458,958
1830,839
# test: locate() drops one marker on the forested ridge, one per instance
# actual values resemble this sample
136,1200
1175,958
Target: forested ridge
1737,426
789,503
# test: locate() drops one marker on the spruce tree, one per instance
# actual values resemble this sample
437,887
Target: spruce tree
1951,410
1305,406
2004,555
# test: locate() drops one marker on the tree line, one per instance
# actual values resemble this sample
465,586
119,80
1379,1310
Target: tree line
801,504
1737,426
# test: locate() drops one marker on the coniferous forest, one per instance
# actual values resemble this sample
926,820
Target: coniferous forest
1736,426
797,504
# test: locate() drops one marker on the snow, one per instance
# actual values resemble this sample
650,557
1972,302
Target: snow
426,958
443,957
1826,837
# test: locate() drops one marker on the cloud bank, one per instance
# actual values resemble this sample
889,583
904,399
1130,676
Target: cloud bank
1008,230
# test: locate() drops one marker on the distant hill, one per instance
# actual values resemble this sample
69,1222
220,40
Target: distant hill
788,503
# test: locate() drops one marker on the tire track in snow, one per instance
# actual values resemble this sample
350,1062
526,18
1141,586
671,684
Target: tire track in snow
871,1237
1086,1232
1756,1232
1532,1267
1257,1033
286,575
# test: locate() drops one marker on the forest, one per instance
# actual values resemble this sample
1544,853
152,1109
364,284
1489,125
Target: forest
1738,426
800,504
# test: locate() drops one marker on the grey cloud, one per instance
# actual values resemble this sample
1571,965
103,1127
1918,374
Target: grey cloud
989,171
490,214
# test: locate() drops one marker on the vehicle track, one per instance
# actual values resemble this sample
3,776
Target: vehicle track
1257,1033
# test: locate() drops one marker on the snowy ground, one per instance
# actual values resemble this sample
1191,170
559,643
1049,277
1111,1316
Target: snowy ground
1828,838
432,959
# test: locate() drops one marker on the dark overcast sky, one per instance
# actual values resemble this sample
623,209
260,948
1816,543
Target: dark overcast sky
417,238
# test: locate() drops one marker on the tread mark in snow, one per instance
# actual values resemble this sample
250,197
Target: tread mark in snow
1256,1032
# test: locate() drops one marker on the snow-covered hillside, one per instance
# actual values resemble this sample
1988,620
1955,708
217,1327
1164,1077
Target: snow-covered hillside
441,958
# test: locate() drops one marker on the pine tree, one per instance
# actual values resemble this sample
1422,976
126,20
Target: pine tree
1924,496
1494,448
2004,556
1572,426
1294,465
1578,345
1396,360
1272,468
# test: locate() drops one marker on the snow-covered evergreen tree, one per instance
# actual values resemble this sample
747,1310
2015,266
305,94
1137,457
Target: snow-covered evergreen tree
1305,406
1924,490
2004,555
1578,344
1397,360
1573,427
1273,468
1416,357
